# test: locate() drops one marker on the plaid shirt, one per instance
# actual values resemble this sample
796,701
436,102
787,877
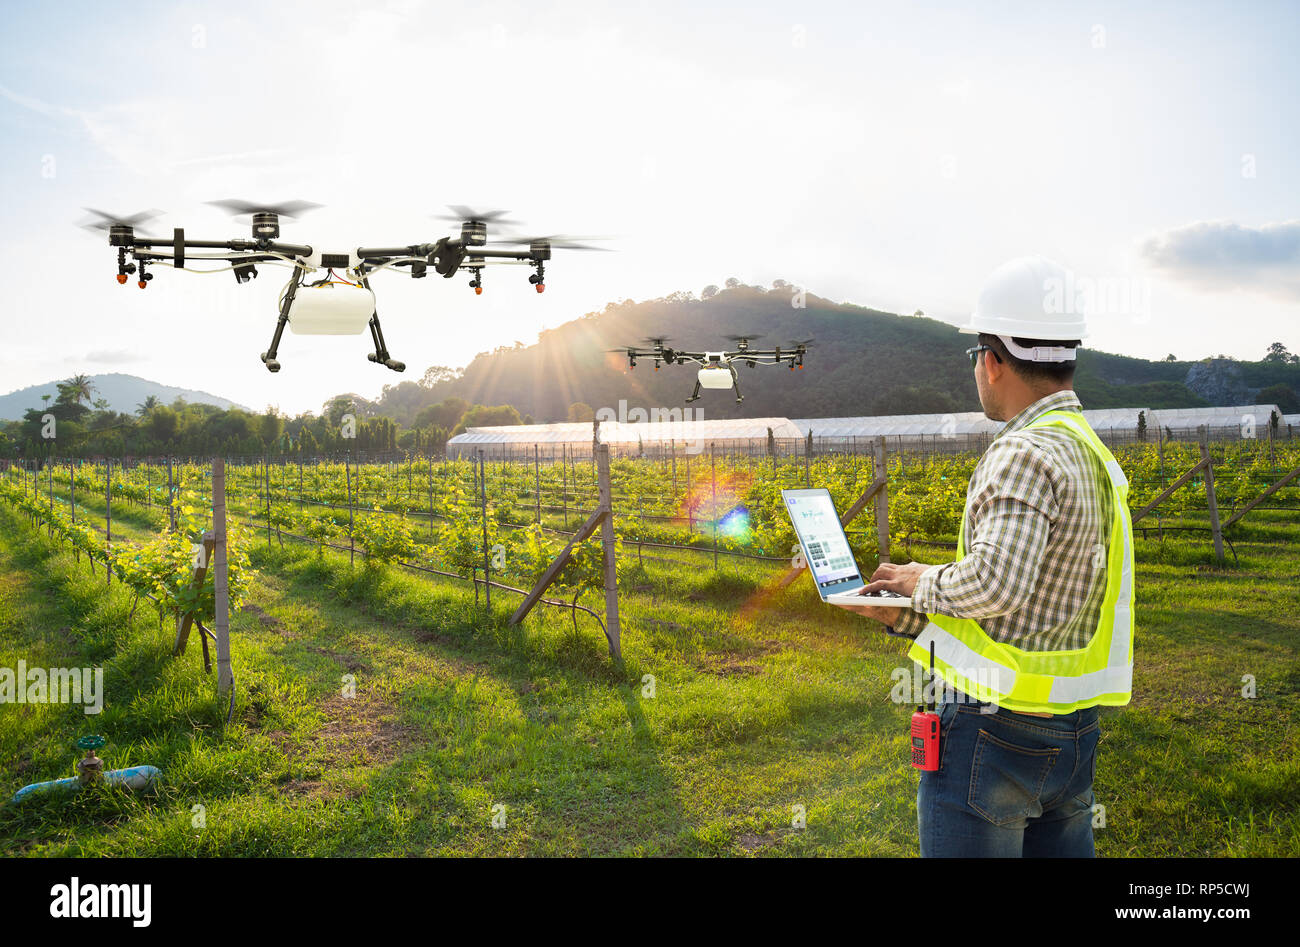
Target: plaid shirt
1037,530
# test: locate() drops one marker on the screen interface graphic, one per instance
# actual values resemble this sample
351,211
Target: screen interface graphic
823,538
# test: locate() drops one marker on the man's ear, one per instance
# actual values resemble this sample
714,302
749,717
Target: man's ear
993,367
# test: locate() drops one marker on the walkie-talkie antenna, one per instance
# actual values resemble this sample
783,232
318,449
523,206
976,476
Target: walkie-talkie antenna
931,703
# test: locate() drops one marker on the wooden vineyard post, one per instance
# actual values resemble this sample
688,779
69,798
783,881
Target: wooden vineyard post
430,495
882,503
564,485
220,581
713,512
807,460
1160,449
690,504
352,543
607,548
171,497
72,492
537,481
1211,498
266,484
108,520
487,553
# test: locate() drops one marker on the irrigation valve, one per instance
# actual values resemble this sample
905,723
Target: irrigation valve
90,768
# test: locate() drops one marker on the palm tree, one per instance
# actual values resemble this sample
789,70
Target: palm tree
146,407
81,387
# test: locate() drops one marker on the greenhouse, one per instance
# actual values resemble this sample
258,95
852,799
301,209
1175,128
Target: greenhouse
1221,422
944,433
657,438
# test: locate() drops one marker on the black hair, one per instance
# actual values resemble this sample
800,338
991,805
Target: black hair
1035,373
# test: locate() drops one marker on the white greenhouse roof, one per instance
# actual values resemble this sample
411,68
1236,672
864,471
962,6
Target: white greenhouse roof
622,432
1103,420
1111,419
1216,416
896,425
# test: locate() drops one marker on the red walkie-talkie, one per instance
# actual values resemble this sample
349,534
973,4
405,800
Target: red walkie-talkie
925,731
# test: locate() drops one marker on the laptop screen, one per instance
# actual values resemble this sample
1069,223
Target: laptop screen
824,543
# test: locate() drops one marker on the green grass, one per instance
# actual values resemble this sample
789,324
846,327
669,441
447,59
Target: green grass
762,701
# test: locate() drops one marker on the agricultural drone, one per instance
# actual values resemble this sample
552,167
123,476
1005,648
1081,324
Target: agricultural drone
718,369
333,304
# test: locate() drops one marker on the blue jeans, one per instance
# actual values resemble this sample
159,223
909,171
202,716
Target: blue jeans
1009,785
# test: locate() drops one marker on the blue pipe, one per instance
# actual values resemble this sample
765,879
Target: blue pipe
133,777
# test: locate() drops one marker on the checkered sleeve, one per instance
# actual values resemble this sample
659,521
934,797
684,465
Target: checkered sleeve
1012,504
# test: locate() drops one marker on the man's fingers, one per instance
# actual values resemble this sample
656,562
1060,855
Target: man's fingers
879,585
883,571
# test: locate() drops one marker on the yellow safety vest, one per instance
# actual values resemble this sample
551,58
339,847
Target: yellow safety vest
1048,681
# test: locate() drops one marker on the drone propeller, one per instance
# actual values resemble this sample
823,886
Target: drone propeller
108,221
555,241
239,208
657,340
474,216
266,217
796,344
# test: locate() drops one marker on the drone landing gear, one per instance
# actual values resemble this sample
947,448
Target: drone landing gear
735,381
380,354
695,395
268,357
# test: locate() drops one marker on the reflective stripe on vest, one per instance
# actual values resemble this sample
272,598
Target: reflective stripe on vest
1049,681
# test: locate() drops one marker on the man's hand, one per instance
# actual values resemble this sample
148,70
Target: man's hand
892,578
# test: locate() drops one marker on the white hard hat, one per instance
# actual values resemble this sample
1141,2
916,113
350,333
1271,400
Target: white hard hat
1032,298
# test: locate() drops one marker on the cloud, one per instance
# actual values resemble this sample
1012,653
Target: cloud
113,357
1222,255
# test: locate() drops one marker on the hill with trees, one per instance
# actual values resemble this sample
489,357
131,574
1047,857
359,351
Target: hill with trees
864,362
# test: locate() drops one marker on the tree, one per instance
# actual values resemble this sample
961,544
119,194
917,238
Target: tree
481,415
581,411
146,407
732,282
80,387
1171,357
163,424
436,373
269,427
445,413
708,292
1142,425
1278,355
1282,395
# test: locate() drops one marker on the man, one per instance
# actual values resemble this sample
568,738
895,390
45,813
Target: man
1032,624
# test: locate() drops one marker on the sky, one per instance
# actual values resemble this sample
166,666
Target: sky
889,155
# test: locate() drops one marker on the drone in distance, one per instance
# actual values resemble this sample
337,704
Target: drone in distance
718,369
340,301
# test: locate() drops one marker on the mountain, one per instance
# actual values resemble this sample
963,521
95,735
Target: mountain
123,393
864,362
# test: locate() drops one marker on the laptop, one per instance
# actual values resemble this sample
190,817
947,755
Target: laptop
826,549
